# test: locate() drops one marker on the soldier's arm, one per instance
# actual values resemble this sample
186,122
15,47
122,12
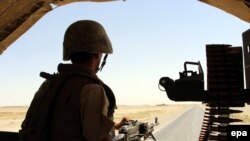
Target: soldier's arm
95,123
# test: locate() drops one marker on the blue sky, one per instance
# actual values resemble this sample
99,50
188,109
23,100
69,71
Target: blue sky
151,39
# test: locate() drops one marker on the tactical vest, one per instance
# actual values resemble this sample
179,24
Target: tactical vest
64,122
66,108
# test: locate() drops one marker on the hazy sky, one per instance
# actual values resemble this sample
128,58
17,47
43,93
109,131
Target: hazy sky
151,39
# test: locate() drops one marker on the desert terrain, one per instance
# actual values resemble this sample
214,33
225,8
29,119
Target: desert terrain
12,117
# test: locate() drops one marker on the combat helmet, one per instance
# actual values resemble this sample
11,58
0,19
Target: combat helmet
85,36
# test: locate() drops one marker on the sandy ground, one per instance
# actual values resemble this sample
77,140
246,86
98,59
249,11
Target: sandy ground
12,117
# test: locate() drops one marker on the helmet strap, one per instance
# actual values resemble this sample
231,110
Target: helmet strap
103,63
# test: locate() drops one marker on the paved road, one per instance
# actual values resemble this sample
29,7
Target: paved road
186,127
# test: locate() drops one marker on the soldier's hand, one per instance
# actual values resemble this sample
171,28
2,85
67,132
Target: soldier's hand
121,123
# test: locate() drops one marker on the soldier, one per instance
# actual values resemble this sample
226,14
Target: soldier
74,104
84,108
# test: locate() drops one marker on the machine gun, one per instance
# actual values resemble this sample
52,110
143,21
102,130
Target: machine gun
134,130
225,86
190,86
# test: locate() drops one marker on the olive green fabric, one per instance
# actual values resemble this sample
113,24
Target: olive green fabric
85,36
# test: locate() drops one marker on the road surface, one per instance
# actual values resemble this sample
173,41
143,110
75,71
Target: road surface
185,127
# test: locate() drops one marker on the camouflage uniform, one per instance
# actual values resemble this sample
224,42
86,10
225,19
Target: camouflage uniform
82,107
73,104
96,112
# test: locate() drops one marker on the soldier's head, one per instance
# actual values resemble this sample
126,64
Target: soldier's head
84,40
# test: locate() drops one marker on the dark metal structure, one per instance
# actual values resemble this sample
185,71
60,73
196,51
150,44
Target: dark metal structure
225,87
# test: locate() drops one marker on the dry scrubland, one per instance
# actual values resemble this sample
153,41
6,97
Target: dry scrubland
147,113
12,117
